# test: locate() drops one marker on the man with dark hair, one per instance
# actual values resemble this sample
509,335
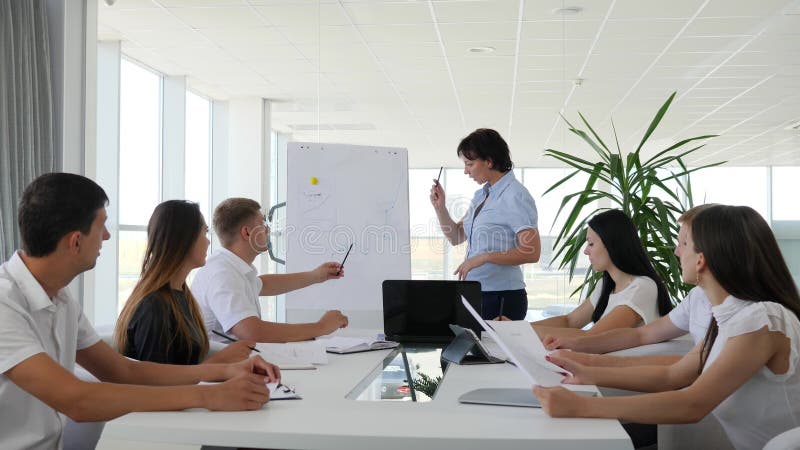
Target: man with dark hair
228,286
43,332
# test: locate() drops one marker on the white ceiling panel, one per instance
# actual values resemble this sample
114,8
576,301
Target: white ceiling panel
218,17
299,14
138,19
726,8
167,38
245,37
377,13
707,44
556,29
196,3
630,29
399,34
478,31
637,9
386,78
545,9
573,47
477,11
311,34
462,49
103,7
724,26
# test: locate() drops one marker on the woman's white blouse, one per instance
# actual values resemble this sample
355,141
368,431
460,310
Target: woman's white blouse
767,404
641,296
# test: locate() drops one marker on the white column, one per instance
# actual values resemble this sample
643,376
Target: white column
173,146
219,158
72,69
100,295
73,61
248,149
240,163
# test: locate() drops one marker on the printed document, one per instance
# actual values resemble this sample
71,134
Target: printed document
523,347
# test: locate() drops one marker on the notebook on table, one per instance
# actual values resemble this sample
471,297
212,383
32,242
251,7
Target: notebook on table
342,345
421,311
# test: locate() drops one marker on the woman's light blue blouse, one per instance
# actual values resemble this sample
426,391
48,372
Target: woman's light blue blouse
508,210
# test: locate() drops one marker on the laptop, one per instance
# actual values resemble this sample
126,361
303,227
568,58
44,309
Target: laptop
421,311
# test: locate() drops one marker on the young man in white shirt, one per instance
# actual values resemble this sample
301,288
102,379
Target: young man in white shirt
228,286
692,315
43,332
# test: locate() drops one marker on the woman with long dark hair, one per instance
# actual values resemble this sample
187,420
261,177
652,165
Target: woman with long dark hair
630,292
745,371
161,321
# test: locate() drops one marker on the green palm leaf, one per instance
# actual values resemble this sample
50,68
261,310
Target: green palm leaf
638,188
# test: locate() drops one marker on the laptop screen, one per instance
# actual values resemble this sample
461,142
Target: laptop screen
422,310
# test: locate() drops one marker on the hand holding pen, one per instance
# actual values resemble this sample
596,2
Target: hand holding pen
437,193
232,339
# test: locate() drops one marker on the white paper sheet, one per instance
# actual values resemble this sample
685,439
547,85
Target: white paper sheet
293,355
523,347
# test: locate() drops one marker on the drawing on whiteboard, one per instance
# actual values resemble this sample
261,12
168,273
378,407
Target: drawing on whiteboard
319,208
361,192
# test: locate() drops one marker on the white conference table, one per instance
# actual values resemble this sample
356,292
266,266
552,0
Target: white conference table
325,419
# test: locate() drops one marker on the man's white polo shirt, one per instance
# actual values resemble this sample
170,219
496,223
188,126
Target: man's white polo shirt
32,323
227,289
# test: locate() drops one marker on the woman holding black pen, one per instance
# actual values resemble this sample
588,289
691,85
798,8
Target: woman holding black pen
500,226
161,321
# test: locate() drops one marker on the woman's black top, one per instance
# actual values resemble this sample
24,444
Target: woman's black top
152,332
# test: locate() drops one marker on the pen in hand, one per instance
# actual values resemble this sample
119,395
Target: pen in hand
502,301
440,175
338,272
225,336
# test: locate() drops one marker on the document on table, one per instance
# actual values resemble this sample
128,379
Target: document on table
293,355
278,391
342,344
523,347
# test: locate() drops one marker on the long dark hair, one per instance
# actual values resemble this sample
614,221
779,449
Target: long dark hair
620,238
171,233
743,256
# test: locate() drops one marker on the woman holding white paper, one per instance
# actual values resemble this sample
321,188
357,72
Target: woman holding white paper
745,371
630,292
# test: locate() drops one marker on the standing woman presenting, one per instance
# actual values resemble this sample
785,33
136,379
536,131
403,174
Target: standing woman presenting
500,227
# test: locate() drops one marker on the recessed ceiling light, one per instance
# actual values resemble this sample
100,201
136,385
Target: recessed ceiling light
483,49
567,11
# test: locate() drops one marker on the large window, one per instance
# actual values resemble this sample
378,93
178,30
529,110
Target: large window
432,257
548,287
785,186
733,186
139,174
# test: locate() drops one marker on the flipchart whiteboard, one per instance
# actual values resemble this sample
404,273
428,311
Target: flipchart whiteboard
338,194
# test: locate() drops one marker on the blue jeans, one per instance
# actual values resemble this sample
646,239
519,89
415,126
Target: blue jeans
515,304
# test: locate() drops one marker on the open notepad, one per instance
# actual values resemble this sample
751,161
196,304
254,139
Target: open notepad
278,391
340,344
293,355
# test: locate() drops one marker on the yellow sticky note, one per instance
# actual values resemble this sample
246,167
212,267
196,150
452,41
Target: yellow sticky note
314,180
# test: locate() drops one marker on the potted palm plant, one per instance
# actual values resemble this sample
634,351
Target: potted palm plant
629,183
